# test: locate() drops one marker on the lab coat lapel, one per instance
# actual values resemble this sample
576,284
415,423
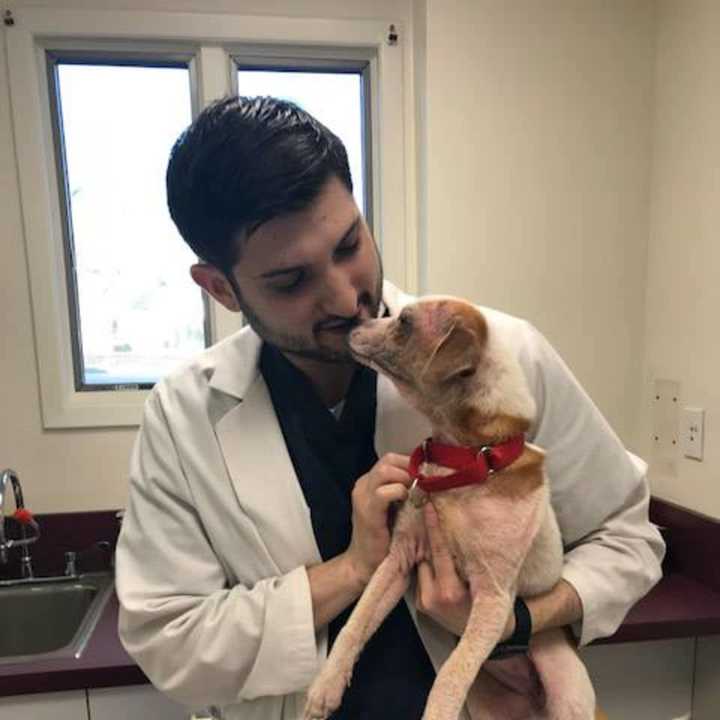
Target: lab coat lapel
260,468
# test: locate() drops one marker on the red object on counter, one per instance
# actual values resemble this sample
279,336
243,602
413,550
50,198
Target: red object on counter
23,516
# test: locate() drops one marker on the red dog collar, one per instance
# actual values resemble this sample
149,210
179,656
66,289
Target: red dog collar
473,466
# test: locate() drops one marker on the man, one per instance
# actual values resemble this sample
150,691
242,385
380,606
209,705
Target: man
264,470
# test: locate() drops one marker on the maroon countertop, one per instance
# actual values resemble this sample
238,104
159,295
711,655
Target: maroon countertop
676,607
685,603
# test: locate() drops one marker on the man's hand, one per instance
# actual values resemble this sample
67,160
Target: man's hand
386,482
441,593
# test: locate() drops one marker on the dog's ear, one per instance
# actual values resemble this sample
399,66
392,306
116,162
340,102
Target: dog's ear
457,355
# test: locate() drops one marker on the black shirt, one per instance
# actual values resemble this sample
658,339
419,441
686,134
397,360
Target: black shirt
393,675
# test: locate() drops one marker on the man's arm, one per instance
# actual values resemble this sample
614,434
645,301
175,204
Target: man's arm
201,640
559,607
599,493
334,585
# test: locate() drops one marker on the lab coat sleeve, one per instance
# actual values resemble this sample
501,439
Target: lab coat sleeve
599,492
197,639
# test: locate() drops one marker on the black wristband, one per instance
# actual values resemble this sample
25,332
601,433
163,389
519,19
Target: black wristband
519,642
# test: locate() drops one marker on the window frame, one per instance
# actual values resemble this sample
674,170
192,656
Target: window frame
210,41
53,58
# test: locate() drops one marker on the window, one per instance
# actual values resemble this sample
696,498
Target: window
97,99
133,314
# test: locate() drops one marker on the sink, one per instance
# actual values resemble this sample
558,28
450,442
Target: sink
48,618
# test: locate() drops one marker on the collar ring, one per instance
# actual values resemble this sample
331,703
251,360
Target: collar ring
485,452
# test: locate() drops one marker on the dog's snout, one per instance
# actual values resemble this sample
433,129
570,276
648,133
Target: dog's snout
354,337
367,338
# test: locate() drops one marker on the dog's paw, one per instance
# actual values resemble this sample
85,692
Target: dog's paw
325,695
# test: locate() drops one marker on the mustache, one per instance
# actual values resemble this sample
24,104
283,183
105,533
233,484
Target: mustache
339,323
347,323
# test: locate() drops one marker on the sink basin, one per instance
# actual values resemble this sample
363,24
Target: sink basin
50,617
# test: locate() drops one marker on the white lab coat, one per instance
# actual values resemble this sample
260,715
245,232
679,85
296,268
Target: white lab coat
214,597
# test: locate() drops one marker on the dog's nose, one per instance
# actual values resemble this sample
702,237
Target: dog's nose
359,331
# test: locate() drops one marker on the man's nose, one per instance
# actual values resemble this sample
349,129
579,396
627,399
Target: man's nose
340,298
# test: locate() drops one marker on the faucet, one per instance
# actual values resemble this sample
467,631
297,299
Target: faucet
23,516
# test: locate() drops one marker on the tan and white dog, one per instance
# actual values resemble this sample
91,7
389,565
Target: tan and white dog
502,532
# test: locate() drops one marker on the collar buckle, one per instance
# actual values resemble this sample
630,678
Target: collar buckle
417,496
485,452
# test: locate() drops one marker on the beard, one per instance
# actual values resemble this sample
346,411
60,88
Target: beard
312,348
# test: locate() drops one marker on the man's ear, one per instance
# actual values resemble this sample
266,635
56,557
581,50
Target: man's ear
210,279
457,354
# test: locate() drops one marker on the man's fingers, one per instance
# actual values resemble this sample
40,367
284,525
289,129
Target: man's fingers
425,576
385,474
442,560
425,582
397,460
394,492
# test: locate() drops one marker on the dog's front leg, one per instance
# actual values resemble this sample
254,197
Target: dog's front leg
491,559
488,617
386,587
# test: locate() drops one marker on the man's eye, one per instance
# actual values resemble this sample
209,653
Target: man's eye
348,248
293,282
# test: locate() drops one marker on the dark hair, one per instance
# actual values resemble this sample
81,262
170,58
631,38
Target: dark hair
242,162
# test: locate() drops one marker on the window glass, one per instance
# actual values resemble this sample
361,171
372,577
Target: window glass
137,314
334,98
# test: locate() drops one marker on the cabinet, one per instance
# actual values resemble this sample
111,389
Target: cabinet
133,702
650,680
70,705
120,703
706,700
655,680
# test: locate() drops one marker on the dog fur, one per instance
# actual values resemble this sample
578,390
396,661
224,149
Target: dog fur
503,535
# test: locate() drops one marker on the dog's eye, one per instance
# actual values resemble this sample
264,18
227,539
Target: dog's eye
466,372
405,322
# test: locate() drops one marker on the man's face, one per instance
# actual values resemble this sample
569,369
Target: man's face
308,277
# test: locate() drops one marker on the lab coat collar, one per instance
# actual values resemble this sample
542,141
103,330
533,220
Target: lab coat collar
234,363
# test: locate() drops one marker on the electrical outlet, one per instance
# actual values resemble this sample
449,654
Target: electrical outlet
692,431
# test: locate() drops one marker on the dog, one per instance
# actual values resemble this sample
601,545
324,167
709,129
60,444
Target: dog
500,529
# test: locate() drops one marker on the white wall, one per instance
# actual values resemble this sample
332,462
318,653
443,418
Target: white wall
538,174
683,292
